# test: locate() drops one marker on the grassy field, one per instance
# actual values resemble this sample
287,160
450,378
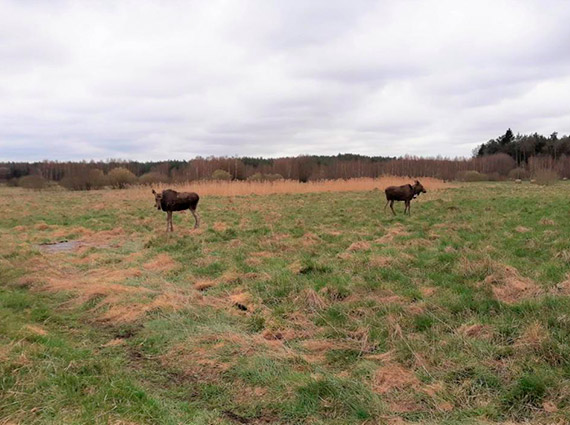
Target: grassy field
313,308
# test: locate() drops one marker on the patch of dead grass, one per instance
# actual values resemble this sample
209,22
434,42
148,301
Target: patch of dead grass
359,246
393,376
476,331
522,229
393,232
161,263
509,286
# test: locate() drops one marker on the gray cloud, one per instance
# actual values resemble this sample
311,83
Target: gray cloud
160,80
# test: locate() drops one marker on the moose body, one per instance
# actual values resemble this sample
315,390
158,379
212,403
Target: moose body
404,193
170,200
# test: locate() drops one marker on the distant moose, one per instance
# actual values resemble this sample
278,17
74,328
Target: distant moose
404,193
170,200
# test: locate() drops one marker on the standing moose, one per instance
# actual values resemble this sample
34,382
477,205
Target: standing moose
404,193
170,200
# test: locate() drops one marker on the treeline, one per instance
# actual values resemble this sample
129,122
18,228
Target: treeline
523,147
507,156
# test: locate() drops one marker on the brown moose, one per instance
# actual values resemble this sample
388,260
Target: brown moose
404,193
170,200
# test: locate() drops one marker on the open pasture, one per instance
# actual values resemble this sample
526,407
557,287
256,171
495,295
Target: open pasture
316,308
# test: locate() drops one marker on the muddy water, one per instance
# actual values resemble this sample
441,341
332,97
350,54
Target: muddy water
62,246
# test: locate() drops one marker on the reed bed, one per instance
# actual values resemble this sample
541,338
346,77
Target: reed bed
238,188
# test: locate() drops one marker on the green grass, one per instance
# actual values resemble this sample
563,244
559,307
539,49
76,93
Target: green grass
336,291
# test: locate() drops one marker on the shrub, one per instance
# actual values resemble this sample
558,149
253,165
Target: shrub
120,178
258,177
84,180
32,182
494,177
153,178
221,175
471,176
546,177
519,173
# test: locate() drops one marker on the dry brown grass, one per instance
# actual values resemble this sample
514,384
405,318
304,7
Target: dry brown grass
393,376
236,188
509,286
161,263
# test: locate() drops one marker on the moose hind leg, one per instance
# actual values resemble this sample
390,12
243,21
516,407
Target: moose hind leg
196,217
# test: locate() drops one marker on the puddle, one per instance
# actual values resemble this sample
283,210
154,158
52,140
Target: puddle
62,246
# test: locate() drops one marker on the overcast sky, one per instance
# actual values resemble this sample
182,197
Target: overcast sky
152,80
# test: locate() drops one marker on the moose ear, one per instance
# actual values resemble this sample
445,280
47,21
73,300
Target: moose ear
153,191
417,182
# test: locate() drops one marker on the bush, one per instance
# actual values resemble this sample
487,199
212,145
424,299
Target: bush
32,182
494,177
259,177
120,178
519,173
86,180
221,175
546,177
153,178
471,176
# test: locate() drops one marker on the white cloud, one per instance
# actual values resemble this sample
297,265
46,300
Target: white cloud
172,79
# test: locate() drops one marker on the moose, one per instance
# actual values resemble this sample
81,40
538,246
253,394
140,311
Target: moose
404,193
170,200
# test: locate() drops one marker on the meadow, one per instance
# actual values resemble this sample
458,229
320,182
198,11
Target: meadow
287,306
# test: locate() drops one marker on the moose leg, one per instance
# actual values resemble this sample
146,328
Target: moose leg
196,217
169,221
387,202
407,207
392,207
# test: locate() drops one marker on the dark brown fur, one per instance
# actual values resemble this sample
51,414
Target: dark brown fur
170,200
404,193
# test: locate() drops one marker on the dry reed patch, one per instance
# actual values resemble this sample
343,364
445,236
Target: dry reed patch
237,188
509,286
547,222
161,263
393,376
522,229
359,246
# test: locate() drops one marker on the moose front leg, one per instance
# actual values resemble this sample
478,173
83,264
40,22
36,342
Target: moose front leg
196,217
169,222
